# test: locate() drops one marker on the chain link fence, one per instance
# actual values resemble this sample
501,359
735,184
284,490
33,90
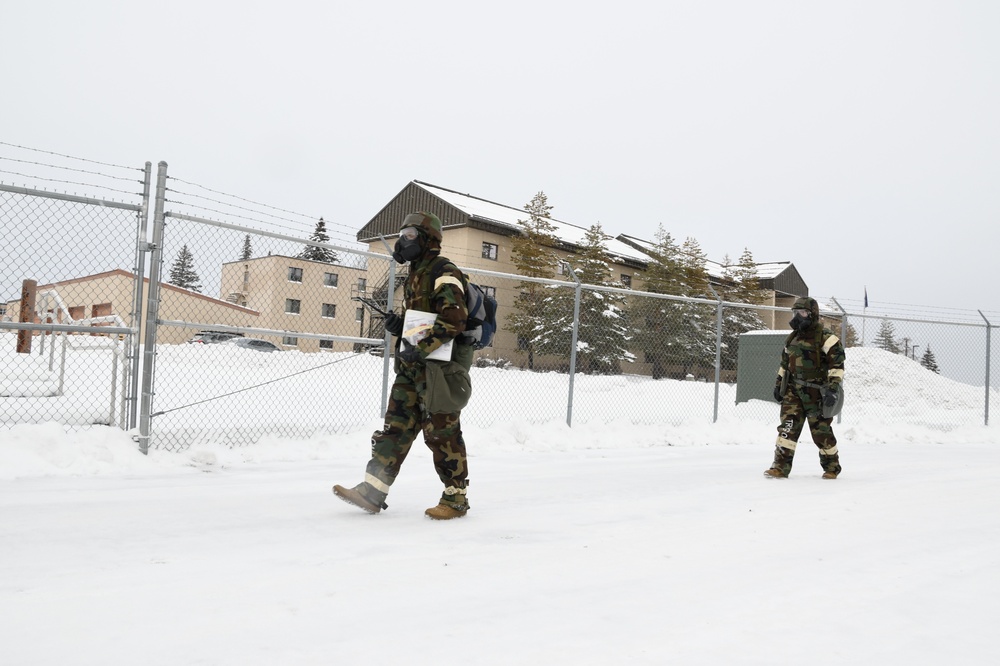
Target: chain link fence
247,333
68,301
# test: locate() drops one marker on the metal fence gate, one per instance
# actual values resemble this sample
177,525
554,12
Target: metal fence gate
70,311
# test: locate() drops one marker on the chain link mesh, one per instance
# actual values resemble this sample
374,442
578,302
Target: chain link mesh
230,292
81,257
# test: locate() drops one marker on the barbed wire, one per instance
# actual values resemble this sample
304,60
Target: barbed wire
66,168
229,214
912,310
70,157
70,182
332,227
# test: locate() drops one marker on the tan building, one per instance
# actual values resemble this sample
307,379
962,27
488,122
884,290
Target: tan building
478,232
110,294
300,296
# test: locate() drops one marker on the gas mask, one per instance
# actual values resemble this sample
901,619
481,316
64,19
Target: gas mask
801,320
408,247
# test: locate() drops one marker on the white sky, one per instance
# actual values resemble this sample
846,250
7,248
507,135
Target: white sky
855,139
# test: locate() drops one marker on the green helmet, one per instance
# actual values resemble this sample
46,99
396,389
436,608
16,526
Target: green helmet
806,303
429,223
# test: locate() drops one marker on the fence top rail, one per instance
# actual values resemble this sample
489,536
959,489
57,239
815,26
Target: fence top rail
65,328
267,331
69,197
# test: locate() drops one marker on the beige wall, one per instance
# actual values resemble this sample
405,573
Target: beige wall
464,246
263,285
95,295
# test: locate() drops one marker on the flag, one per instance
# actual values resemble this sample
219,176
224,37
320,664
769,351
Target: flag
866,297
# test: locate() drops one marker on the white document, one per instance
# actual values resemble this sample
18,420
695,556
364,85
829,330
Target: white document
417,325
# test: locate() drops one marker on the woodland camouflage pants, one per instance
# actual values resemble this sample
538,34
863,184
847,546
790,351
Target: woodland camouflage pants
803,404
405,417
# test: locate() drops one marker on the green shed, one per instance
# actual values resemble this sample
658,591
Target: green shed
757,361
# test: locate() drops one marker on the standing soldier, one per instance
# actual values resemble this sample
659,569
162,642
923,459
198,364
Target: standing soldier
809,388
427,395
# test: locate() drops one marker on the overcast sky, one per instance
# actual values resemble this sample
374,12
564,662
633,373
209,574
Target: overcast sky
859,140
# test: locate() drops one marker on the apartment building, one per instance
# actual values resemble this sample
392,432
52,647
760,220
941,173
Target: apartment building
478,233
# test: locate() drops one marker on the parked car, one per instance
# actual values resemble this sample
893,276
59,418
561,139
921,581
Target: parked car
213,337
255,344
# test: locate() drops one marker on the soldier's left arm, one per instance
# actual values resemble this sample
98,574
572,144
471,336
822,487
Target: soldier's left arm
835,357
448,301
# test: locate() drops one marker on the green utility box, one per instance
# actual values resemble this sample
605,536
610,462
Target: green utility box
757,362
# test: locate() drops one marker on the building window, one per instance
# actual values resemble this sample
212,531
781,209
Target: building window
289,341
359,314
292,306
562,268
329,279
489,291
490,251
76,312
294,274
362,285
326,344
329,310
626,281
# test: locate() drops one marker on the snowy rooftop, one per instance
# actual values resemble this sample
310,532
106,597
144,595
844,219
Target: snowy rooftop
509,216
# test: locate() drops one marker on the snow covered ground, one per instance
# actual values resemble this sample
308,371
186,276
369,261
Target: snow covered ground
607,543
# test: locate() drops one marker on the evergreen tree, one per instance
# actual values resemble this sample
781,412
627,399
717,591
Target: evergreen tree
604,335
851,337
929,362
694,324
247,252
740,284
182,272
537,305
654,335
886,338
313,253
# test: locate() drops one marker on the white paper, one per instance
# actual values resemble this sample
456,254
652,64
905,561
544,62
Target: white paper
417,325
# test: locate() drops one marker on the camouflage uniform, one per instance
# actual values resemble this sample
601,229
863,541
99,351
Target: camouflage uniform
812,355
407,413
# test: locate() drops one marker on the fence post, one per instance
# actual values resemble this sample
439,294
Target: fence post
133,342
152,310
989,326
27,314
573,342
843,338
718,353
387,336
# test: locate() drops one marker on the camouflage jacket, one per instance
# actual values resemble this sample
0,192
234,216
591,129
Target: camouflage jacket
446,297
815,356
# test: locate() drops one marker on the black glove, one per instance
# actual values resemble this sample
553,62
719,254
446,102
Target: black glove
394,323
777,392
409,353
830,397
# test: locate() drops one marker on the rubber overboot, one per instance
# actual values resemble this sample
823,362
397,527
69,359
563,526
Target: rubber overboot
831,466
782,465
363,496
